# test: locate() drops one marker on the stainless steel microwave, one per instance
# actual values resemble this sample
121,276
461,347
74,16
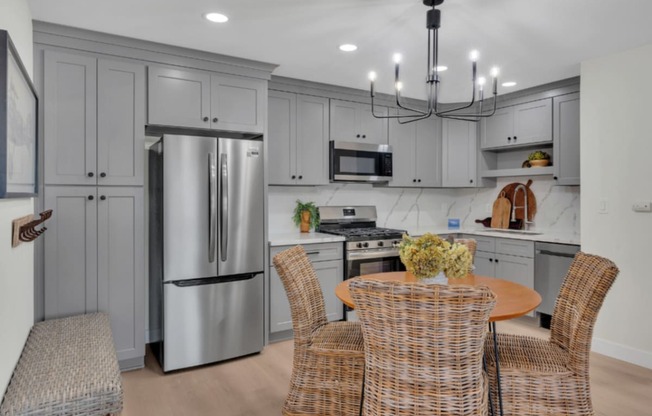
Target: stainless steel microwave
360,162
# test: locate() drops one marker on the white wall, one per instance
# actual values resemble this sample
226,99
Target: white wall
16,265
616,149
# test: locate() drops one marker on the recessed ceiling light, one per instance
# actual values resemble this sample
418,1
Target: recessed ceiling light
348,47
216,17
509,84
441,68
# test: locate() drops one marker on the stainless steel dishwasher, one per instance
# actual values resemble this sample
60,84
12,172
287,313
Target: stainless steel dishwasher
551,263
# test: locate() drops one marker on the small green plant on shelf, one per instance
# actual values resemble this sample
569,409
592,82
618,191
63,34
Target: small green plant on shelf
538,158
306,215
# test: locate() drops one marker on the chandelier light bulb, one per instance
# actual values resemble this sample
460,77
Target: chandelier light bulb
399,86
397,58
216,17
474,55
494,72
372,76
441,68
482,81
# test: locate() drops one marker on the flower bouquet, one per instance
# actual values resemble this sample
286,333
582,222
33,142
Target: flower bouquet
429,256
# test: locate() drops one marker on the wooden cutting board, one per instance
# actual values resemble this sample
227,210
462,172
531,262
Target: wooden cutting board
501,212
520,200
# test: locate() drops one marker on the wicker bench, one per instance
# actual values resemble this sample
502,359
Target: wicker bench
68,367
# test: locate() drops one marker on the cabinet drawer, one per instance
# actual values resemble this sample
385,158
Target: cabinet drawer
487,244
515,247
316,252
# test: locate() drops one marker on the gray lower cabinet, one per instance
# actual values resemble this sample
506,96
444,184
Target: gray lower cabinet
298,139
198,99
416,149
515,269
459,154
566,139
94,121
522,124
94,261
328,263
484,264
354,122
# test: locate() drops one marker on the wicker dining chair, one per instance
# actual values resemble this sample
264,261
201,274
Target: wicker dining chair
551,377
423,347
328,363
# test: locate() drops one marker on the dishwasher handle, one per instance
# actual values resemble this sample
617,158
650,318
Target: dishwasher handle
556,254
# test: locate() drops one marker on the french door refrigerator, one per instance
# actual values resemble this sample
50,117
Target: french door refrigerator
207,243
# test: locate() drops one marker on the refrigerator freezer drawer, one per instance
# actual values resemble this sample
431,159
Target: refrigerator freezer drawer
205,323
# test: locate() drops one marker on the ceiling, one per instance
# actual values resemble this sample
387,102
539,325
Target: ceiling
533,42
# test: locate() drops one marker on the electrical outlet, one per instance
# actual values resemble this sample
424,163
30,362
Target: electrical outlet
642,207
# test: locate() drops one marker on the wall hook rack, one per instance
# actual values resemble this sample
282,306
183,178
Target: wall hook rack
24,228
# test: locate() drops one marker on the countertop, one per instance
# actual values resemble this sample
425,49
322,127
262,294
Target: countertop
544,237
294,238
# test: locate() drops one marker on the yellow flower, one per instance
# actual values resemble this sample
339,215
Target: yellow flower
428,255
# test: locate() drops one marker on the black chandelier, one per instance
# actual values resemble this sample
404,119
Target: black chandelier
433,20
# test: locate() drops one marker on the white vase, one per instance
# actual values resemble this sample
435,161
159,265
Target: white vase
439,279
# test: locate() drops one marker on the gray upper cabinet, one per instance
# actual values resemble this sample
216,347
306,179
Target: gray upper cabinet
195,99
523,124
70,119
566,148
94,123
94,259
70,251
298,139
354,122
416,149
459,154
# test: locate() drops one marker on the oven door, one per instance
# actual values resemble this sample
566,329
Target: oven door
360,162
367,262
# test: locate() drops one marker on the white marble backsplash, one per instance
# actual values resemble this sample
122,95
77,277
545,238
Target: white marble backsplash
558,207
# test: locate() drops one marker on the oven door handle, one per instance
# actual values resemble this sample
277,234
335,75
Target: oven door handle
371,255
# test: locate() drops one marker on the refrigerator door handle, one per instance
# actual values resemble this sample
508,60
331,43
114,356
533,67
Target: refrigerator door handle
212,207
224,168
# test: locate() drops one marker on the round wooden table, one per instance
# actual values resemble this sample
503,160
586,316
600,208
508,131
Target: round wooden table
512,299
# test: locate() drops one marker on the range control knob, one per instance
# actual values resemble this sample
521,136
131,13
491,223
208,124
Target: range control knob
359,245
396,243
365,245
380,244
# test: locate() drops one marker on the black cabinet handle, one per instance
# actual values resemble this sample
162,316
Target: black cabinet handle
509,139
414,180
294,176
103,198
215,119
470,180
419,180
91,197
300,177
515,138
357,135
102,175
496,260
491,260
205,119
364,136
91,174
555,178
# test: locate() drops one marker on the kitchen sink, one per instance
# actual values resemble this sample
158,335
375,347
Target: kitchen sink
508,231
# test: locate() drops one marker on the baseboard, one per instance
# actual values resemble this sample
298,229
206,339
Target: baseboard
622,352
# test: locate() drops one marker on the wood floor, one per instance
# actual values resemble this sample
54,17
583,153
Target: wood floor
257,385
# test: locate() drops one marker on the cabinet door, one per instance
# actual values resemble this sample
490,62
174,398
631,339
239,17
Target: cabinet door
428,152
498,129
238,103
120,266
312,140
458,153
515,269
533,122
280,316
70,119
402,138
566,147
179,98
70,246
330,274
282,139
484,264
343,120
370,128
120,123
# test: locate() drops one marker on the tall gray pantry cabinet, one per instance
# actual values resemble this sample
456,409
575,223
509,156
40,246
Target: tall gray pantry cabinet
94,127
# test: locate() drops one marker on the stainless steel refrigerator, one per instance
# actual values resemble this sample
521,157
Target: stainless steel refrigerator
206,248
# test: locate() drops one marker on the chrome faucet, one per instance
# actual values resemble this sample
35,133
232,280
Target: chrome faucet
525,212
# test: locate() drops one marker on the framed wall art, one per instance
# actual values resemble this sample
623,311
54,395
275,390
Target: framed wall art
18,125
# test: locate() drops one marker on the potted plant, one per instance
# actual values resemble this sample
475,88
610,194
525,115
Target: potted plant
306,216
539,159
429,256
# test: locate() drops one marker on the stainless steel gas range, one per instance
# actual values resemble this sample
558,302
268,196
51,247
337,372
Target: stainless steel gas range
368,249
